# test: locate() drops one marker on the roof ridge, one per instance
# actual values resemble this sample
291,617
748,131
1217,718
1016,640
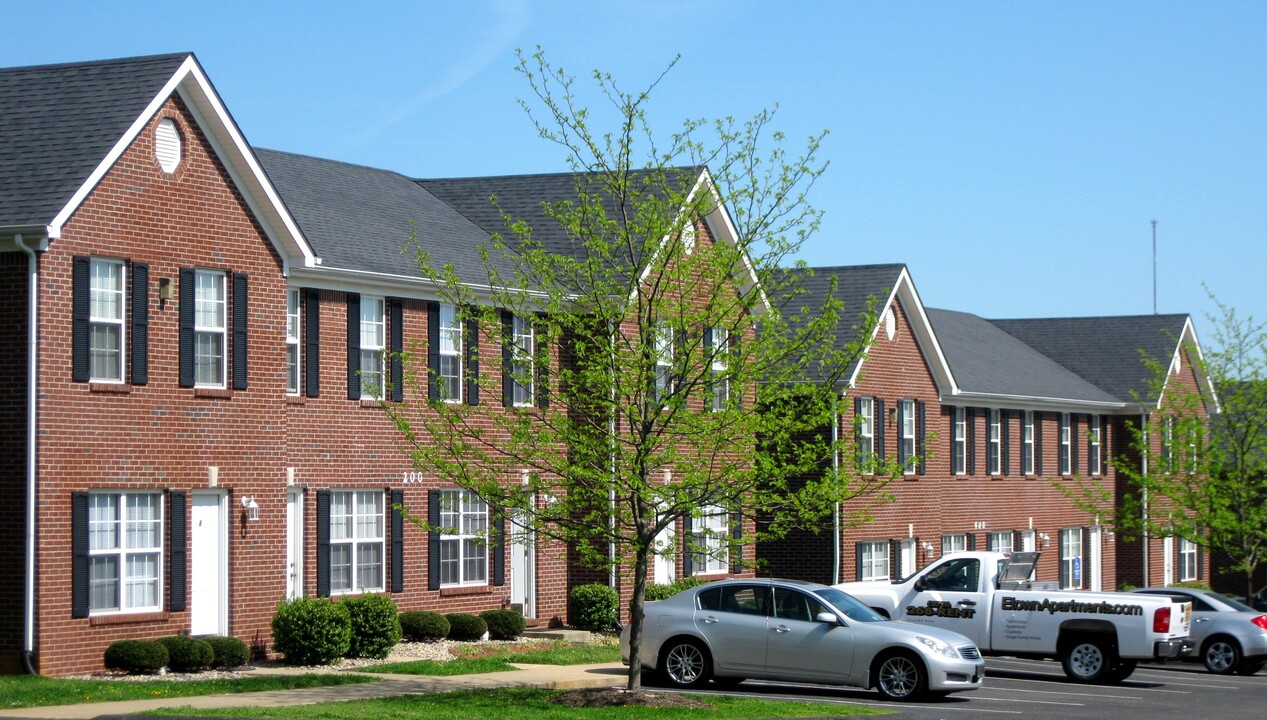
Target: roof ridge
1138,316
97,63
520,176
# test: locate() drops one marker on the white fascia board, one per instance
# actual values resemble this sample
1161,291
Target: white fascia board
1027,402
223,133
363,281
1188,338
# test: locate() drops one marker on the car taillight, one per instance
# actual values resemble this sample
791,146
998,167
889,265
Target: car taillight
1161,620
1260,621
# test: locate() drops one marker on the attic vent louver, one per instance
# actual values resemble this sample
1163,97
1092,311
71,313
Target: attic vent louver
167,145
890,323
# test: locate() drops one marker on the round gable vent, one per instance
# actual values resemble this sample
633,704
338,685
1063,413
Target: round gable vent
167,145
890,323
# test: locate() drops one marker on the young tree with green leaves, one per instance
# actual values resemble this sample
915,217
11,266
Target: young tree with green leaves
655,365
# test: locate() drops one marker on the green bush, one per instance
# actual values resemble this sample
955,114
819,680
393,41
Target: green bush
465,627
375,625
661,592
136,656
503,624
424,626
312,631
185,654
594,607
229,651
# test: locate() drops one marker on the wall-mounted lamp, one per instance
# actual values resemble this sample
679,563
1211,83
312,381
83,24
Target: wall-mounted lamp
893,415
928,548
250,509
1045,538
164,288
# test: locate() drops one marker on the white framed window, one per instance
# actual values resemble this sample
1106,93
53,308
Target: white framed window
292,341
960,451
954,542
873,559
356,541
866,432
710,551
1193,433
209,328
1027,443
1002,541
523,348
1070,558
1093,446
718,365
373,342
1187,560
1066,445
125,552
906,410
108,308
663,361
463,538
450,375
994,450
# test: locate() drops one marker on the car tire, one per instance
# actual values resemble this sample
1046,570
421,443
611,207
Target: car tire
1221,655
1249,668
685,663
1088,659
900,676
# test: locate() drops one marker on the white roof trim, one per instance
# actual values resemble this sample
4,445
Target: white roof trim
921,329
197,92
1188,338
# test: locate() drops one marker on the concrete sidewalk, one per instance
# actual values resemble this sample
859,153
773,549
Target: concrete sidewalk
538,676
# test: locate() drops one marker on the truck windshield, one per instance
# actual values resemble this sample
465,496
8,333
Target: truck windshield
848,605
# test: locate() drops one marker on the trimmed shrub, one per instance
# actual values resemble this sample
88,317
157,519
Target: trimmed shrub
185,654
136,656
424,626
312,631
375,625
465,627
503,624
661,592
594,607
229,652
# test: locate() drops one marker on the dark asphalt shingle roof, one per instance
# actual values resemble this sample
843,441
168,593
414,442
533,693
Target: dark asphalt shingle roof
1105,351
58,122
358,218
985,359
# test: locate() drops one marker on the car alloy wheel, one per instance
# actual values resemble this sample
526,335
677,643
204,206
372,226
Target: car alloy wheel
1221,656
686,664
900,677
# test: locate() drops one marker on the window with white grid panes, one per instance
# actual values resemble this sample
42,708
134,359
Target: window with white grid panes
1093,446
663,362
108,308
954,542
906,410
961,442
292,342
1027,443
1070,558
463,538
1066,445
125,552
523,353
866,431
450,374
1187,560
994,451
1002,541
373,342
356,541
209,328
718,365
710,552
874,556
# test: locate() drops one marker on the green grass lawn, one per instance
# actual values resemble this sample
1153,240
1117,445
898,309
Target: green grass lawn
531,704
497,658
456,666
23,691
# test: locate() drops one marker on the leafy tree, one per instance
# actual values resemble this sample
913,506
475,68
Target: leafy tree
663,399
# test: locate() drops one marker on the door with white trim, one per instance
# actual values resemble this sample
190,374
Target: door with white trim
294,543
523,553
209,564
1168,560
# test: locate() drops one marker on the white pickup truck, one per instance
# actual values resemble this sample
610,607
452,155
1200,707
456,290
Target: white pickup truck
987,596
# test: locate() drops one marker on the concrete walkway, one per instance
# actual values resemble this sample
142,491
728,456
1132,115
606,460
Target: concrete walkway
538,676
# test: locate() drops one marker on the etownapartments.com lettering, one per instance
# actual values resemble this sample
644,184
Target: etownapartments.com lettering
1071,606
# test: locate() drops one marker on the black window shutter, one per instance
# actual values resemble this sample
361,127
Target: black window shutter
736,354
140,324
178,554
240,317
397,349
498,548
857,559
433,354
508,336
708,365
79,555
80,311
688,552
859,459
433,539
895,557
1005,417
878,406
736,547
541,389
902,457
323,543
1073,443
1200,562
1090,446
920,436
312,342
354,346
970,418
1017,541
398,541
186,319
472,343
972,541
955,450
1038,443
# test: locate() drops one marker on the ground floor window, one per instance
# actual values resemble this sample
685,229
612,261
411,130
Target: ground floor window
873,560
953,543
1002,541
463,538
1070,558
125,548
356,541
710,552
1187,560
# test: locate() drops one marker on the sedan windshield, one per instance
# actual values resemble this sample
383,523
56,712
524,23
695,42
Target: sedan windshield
848,605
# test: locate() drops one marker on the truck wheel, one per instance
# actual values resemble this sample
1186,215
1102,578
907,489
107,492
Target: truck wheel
900,676
686,664
1088,659
1249,668
1221,655
1122,669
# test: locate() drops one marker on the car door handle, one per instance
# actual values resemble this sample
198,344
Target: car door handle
968,603
1201,620
782,629
710,620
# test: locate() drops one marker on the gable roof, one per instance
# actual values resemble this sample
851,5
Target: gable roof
59,121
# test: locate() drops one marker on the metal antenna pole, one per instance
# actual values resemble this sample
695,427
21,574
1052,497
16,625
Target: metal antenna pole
1154,267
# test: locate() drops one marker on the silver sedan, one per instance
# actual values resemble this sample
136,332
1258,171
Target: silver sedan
1230,635
803,632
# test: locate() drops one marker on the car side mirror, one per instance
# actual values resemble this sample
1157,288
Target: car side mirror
827,618
920,585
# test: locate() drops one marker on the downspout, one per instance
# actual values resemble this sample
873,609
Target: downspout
611,467
1143,418
32,386
835,519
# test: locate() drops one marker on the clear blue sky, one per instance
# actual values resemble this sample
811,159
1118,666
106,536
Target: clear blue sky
1011,154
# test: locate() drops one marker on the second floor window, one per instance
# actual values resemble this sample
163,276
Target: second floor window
994,451
450,374
1093,446
209,328
663,362
718,363
866,431
107,312
523,349
1027,444
906,416
1168,445
959,452
1066,445
292,342
373,340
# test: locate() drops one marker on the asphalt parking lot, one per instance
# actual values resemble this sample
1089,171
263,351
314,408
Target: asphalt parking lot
1038,690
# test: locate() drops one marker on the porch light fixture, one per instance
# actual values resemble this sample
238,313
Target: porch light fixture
250,509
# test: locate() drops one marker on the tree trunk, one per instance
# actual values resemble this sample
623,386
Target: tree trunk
641,558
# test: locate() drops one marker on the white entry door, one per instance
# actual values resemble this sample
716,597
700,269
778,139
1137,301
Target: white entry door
1168,560
523,553
209,596
294,543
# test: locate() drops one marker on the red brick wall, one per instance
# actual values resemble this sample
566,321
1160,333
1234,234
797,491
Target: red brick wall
13,347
